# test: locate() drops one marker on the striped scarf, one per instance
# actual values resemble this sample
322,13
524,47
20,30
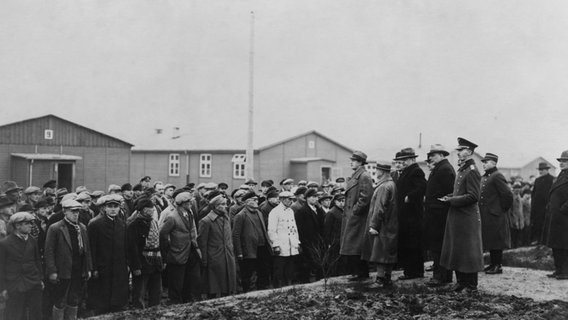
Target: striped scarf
79,237
152,247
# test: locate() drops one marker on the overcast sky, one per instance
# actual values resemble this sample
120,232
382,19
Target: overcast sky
369,74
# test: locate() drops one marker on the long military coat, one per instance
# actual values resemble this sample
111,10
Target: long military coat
411,184
108,251
440,183
494,203
462,248
382,248
215,240
539,200
358,193
557,226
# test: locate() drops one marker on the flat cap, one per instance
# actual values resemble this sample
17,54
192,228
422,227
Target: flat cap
82,197
114,187
32,189
80,189
300,190
250,195
359,156
69,196
310,193
97,193
312,184
109,198
183,197
251,181
286,194
70,204
286,181
21,217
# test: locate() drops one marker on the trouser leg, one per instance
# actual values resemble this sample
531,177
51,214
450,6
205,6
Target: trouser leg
138,290
192,278
15,305
496,257
262,267
176,273
154,288
247,268
278,276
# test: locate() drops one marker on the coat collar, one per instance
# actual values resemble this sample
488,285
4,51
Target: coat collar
354,178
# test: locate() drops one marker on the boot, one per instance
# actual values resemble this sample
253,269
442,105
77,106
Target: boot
497,269
70,313
57,314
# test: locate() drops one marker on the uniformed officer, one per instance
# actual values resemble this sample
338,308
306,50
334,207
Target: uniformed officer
462,247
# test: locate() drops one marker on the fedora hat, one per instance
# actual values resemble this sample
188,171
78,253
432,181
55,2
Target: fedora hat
563,156
438,148
5,201
383,167
543,166
9,186
359,156
490,156
406,153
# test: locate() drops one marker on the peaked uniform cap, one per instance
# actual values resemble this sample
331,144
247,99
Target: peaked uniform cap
490,156
466,144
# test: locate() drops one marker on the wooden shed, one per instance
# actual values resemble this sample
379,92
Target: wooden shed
36,150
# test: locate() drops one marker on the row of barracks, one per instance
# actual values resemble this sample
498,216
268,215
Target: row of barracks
36,150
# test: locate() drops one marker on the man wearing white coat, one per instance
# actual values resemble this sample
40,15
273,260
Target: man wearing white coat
283,234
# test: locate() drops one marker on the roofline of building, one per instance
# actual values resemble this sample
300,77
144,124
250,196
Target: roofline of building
243,151
304,134
83,127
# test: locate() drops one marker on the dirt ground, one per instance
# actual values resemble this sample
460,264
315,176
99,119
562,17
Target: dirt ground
518,293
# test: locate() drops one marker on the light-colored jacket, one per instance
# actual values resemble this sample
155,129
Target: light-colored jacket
282,231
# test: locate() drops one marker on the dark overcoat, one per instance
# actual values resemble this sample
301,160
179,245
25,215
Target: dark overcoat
137,233
557,226
494,203
246,238
462,248
310,227
440,183
332,226
382,248
539,200
108,249
219,273
358,193
411,184
20,264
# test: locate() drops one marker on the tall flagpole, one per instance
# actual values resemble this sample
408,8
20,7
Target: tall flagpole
250,151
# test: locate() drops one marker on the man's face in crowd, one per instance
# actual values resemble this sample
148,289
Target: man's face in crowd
340,203
398,165
325,203
563,164
489,164
14,195
43,211
274,201
263,189
542,172
72,215
313,200
160,189
24,227
145,183
252,202
112,209
355,164
287,202
85,203
436,158
8,210
127,194
169,192
463,154
34,197
287,187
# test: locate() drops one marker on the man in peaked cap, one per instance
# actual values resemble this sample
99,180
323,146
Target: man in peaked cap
287,184
358,193
21,270
410,190
68,261
108,292
440,183
539,200
178,240
380,242
557,220
146,182
462,247
309,220
494,203
251,243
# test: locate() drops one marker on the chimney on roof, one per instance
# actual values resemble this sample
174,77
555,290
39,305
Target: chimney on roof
175,133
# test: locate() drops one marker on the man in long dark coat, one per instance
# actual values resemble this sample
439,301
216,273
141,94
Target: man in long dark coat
332,233
309,220
108,290
539,200
380,245
440,183
557,224
411,187
358,193
462,248
495,201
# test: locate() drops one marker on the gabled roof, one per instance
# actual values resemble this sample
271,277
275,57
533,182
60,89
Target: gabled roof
70,122
305,134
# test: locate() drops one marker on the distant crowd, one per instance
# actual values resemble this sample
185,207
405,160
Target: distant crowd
64,252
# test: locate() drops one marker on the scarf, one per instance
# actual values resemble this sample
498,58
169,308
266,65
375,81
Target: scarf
79,237
152,246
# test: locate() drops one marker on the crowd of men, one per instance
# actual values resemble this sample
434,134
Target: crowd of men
106,251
